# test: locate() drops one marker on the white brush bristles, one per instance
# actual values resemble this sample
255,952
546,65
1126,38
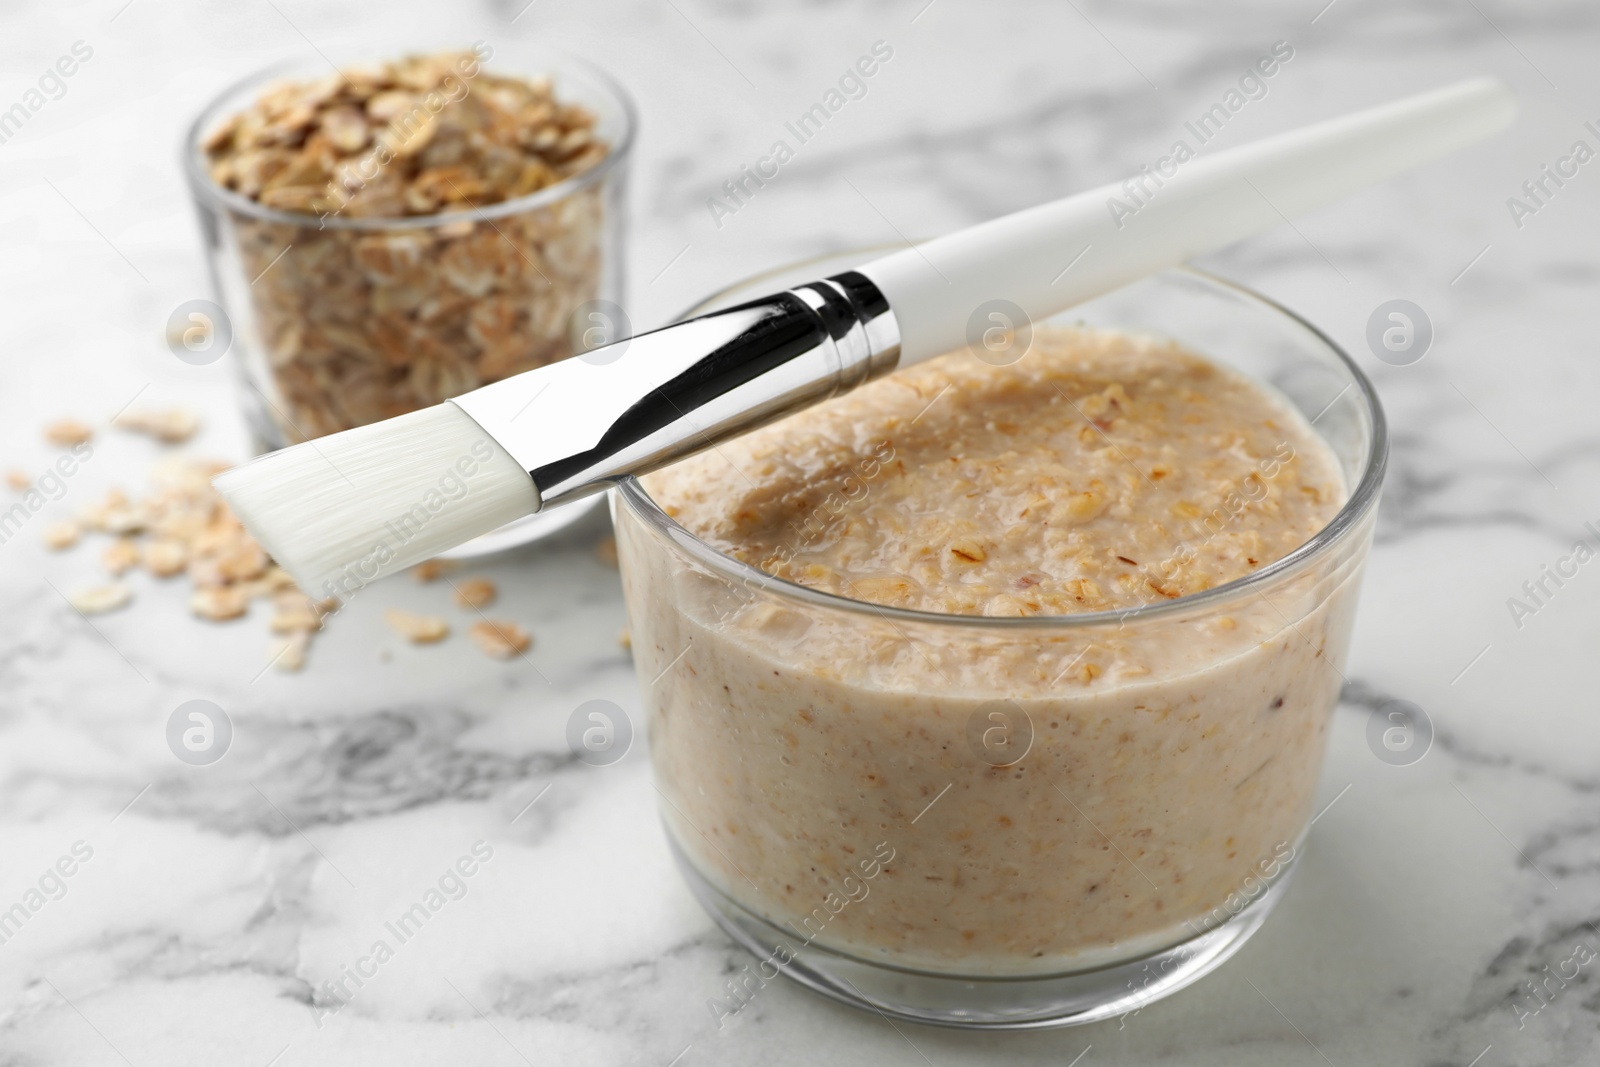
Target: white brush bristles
347,509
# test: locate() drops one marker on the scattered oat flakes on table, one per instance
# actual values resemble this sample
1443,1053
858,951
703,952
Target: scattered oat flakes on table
165,557
500,638
475,592
115,514
68,432
289,654
62,535
219,603
181,526
120,556
169,425
296,612
98,599
418,629
18,480
431,570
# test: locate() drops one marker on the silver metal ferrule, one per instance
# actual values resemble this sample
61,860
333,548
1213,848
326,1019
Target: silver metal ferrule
579,425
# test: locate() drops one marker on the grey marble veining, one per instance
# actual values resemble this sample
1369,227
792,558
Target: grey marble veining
1442,908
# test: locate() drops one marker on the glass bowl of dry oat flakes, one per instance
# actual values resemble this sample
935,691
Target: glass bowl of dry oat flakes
396,233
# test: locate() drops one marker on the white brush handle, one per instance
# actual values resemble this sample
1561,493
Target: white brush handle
1212,201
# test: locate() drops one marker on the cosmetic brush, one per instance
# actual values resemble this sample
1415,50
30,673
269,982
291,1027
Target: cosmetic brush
340,511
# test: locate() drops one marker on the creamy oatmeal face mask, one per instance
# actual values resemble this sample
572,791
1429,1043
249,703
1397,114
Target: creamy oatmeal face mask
996,693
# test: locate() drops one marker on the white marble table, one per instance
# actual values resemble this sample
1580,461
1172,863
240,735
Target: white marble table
219,900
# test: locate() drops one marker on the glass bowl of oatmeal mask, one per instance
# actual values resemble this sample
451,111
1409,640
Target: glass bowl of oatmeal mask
996,692
385,237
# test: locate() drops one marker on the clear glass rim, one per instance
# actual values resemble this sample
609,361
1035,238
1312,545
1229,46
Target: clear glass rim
204,188
1338,530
